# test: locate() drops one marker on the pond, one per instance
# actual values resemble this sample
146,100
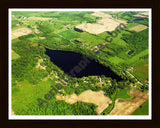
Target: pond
78,30
130,52
138,19
77,41
76,65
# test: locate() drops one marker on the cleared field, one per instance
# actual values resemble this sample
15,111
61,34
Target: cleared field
101,14
89,96
20,32
127,107
103,25
139,15
139,28
14,55
39,18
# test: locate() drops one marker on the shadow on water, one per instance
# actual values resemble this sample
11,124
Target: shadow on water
76,65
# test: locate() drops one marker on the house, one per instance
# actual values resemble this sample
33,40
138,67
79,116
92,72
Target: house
17,24
111,17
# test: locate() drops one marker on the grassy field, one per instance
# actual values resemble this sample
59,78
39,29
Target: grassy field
29,93
115,60
135,58
123,94
69,34
143,109
90,39
130,25
141,70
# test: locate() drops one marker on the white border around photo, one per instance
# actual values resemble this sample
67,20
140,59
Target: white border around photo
97,117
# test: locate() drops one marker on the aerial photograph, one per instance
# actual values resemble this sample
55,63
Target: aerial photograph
79,63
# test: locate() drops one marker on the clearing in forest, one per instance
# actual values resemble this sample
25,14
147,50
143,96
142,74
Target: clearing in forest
21,32
89,96
127,107
39,64
139,28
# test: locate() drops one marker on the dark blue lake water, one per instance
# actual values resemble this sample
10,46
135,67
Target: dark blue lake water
67,61
78,30
138,19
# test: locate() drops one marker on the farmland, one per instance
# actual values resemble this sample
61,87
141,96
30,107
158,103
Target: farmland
34,73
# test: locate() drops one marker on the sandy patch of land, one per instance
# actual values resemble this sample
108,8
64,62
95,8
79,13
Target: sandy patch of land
101,14
39,18
21,32
39,65
139,15
92,28
89,96
139,28
145,13
127,107
102,25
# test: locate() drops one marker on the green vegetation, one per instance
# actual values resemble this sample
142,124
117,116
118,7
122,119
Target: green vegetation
123,94
143,109
69,34
15,55
141,70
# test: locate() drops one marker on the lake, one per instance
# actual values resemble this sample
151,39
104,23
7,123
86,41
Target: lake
78,30
138,19
79,65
